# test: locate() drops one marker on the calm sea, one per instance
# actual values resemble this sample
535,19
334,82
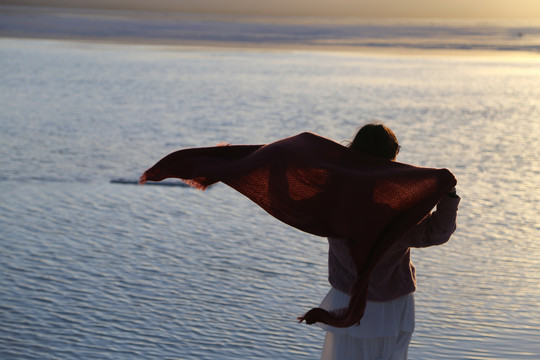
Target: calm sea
97,270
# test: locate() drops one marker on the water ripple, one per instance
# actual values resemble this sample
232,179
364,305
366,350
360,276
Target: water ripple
96,270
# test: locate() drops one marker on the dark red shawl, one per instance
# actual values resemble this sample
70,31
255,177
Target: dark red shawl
323,188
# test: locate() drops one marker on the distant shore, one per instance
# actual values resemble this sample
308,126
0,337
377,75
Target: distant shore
381,36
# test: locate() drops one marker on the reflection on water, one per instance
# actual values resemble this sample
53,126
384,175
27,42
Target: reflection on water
94,269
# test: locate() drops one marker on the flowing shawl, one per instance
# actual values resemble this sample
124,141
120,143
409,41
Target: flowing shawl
321,187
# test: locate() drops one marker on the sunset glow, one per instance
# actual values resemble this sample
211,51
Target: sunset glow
357,8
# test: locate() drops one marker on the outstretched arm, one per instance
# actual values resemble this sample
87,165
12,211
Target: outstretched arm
437,227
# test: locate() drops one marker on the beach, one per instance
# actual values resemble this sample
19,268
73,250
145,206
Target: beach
96,267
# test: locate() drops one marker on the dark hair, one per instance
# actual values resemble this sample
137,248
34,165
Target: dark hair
377,140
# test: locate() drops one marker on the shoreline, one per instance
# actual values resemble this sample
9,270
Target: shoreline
186,45
202,31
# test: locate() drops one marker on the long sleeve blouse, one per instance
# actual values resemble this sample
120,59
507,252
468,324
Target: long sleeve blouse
394,275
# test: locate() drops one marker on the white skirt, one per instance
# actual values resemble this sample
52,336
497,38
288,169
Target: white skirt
384,331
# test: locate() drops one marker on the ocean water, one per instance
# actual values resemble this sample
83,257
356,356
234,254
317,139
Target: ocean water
97,270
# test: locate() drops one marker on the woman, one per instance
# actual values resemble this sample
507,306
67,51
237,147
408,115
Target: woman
388,322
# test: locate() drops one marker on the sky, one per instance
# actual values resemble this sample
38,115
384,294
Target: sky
357,8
